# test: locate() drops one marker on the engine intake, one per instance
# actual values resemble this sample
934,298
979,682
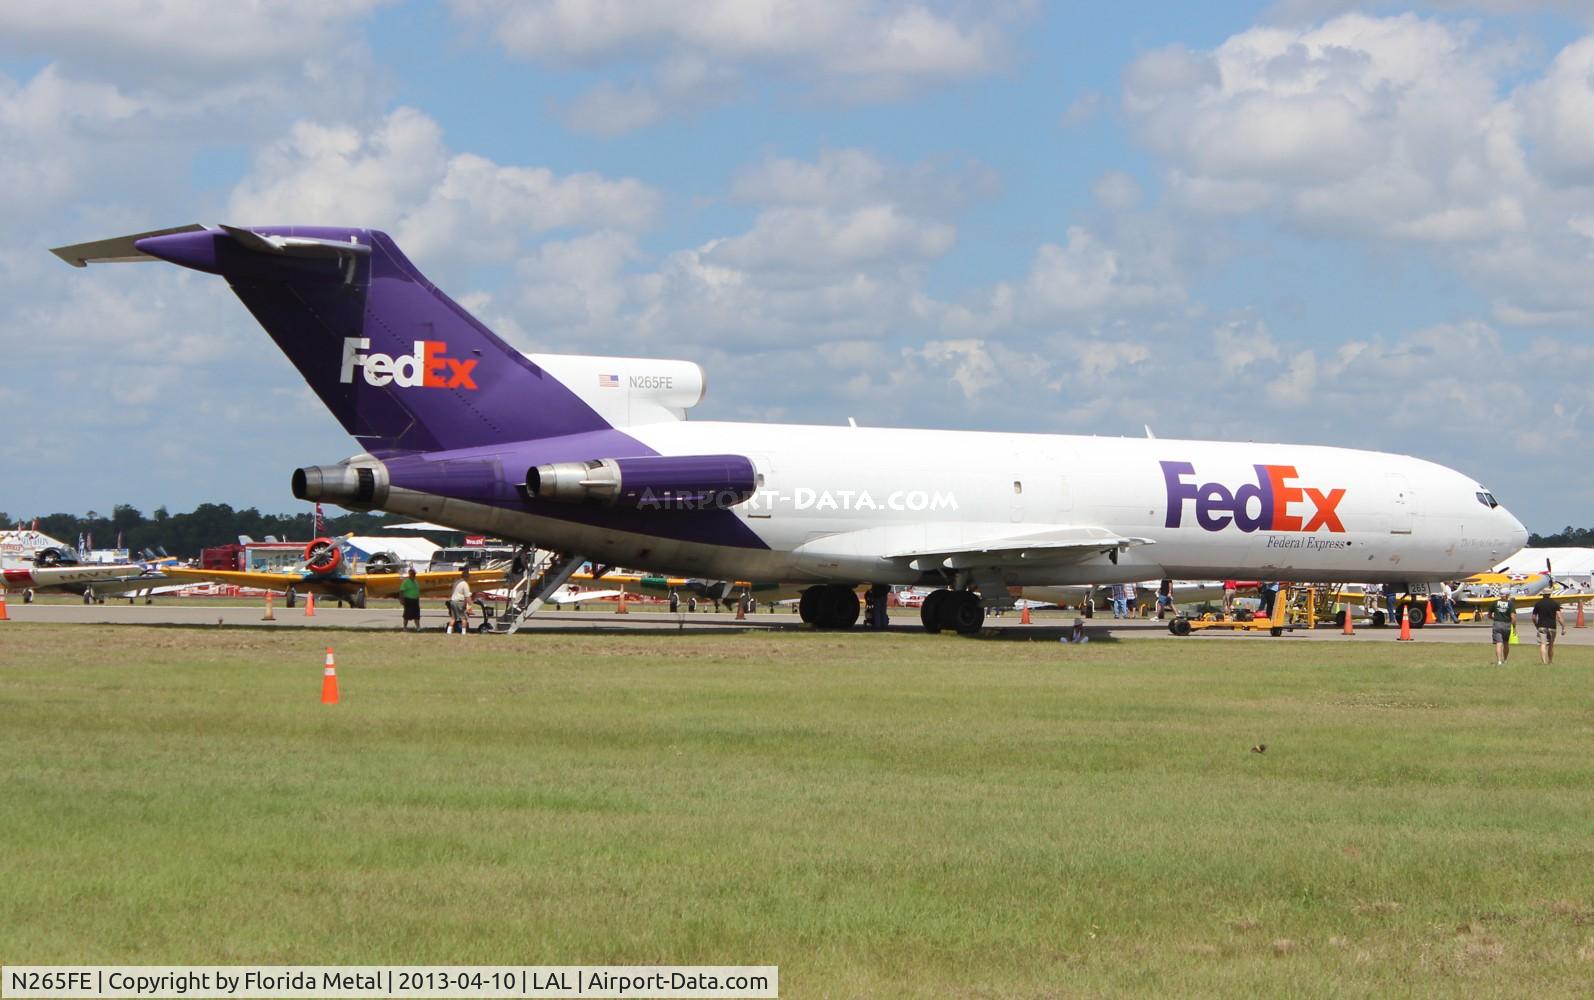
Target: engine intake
670,482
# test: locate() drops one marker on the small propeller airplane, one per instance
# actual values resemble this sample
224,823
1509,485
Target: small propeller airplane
325,573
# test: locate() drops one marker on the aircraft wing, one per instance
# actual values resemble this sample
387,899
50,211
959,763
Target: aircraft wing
1064,544
1525,601
569,595
41,577
438,583
240,577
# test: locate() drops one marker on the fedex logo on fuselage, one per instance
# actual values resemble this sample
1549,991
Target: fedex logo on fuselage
427,366
1272,503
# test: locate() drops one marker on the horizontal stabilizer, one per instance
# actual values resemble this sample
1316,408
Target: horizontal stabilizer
117,249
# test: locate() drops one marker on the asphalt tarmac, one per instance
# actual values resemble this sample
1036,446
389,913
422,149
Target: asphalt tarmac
1046,626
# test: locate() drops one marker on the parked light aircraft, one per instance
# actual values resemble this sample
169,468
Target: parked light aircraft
593,457
56,569
325,573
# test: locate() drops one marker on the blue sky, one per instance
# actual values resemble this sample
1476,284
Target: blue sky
1307,220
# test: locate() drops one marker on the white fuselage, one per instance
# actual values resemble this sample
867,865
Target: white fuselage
836,502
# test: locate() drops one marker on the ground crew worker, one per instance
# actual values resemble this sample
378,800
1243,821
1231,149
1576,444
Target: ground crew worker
410,597
1503,615
1547,619
459,603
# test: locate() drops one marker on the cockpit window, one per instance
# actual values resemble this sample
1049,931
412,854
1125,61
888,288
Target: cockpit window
1487,499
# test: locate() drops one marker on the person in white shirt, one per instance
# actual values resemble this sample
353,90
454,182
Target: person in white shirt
459,603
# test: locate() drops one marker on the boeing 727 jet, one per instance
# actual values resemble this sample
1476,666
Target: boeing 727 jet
593,457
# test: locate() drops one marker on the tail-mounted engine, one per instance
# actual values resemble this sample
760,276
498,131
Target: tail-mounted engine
670,482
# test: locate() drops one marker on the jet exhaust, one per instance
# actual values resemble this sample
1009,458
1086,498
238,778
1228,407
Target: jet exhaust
358,487
683,482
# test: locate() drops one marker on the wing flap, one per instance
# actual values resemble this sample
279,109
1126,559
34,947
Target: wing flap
1072,543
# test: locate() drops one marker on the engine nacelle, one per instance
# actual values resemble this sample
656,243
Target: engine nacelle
666,482
360,486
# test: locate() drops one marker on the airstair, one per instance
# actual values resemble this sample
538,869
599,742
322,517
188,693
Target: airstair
532,590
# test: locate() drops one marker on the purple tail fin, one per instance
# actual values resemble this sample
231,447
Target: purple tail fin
401,365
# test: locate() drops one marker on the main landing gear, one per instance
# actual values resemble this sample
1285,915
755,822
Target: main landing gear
958,610
831,605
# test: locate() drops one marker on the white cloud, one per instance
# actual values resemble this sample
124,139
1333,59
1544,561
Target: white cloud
1116,191
1559,115
1306,11
171,43
694,54
819,239
400,176
973,369
1398,129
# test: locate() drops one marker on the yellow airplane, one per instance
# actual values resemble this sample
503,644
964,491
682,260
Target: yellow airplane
323,574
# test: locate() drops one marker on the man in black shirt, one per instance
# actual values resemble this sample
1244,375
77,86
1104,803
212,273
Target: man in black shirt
1547,618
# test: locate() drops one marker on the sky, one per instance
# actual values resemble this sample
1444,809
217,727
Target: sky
1368,225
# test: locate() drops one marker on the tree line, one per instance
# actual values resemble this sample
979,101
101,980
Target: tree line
1568,537
206,525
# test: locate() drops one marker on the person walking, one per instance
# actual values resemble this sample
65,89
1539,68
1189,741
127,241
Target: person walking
1547,619
1120,600
1229,587
410,598
1503,615
459,603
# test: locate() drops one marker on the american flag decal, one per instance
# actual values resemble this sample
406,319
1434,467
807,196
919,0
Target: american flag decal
608,381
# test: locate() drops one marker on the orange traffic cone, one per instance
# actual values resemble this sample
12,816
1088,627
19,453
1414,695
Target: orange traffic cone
309,605
619,609
5,615
741,610
1433,616
1023,619
329,681
1350,626
1405,624
1578,625
268,616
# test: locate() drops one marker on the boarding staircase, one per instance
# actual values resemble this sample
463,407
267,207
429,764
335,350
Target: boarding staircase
532,590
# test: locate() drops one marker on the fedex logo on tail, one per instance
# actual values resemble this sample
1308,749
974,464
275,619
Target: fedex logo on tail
1272,503
427,366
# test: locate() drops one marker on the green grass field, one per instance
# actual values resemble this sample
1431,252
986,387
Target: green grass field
877,814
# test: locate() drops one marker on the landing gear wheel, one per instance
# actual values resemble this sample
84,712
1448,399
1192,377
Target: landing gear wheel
27,597
838,607
88,595
292,597
963,612
358,600
675,602
930,610
1179,626
807,605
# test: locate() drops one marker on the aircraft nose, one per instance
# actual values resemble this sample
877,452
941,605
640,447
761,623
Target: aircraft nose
1518,533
